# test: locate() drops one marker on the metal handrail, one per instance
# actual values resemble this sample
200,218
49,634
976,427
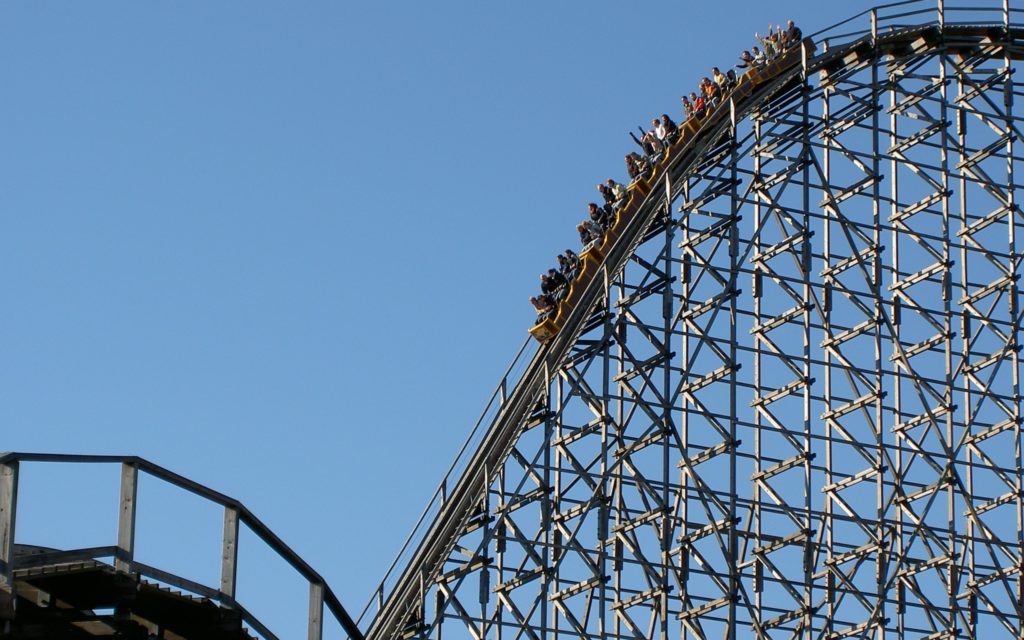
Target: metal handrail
819,33
245,516
945,14
438,498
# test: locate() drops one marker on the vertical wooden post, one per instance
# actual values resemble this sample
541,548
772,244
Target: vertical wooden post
8,507
126,518
229,554
316,611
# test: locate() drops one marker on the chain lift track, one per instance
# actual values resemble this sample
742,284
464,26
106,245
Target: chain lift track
788,404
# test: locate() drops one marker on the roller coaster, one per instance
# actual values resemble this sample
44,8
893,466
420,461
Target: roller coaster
782,398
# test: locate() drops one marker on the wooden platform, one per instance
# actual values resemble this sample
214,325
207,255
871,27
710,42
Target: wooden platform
89,599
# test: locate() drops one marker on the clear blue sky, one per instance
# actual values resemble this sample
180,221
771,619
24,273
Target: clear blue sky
285,248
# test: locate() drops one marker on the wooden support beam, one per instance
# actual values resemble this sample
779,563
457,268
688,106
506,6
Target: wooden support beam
316,611
8,509
229,554
126,518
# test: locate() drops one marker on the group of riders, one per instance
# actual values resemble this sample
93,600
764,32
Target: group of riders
663,132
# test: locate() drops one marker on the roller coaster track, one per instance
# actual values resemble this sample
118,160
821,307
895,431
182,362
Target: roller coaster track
401,600
460,504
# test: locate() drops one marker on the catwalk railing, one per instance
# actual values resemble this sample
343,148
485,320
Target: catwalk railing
122,554
509,382
914,14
